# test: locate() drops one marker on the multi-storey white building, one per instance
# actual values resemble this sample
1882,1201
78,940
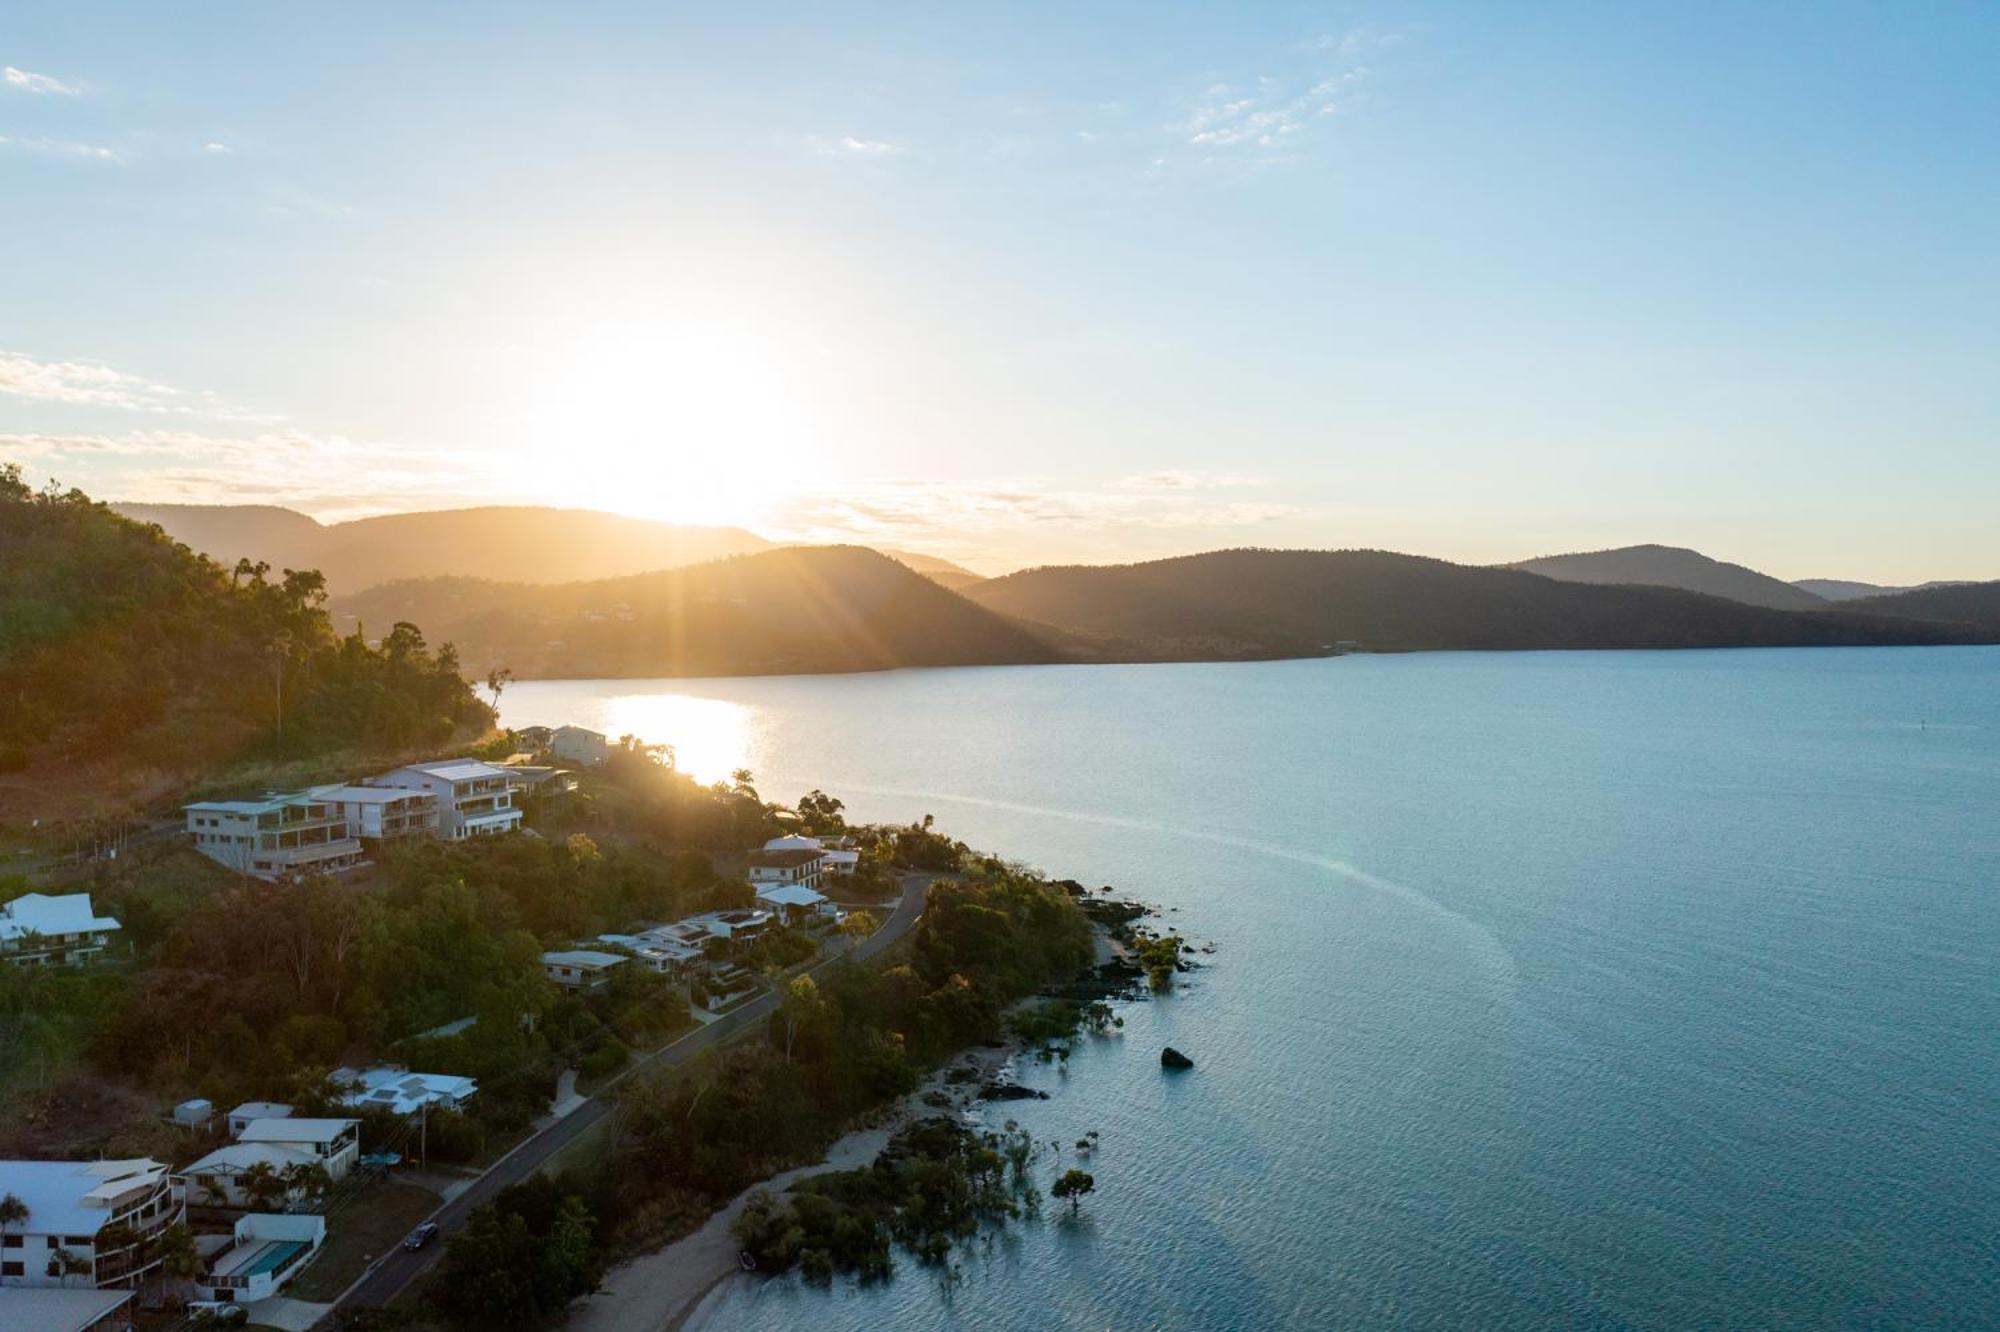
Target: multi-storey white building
334,1143
88,1221
474,799
37,930
285,835
579,744
385,813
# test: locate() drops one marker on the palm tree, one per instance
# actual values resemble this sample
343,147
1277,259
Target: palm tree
63,1264
307,1179
261,1185
180,1260
213,1191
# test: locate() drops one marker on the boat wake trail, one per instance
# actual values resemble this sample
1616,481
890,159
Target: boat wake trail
1484,945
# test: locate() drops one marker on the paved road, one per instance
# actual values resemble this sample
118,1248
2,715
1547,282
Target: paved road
393,1274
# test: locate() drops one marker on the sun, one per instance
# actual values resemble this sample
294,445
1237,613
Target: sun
689,422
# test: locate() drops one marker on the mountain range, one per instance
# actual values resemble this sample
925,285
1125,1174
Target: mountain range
503,585
512,544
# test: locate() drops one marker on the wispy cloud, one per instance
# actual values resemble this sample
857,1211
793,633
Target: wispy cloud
849,145
1275,114
217,147
1185,479
89,152
45,84
89,384
966,514
312,472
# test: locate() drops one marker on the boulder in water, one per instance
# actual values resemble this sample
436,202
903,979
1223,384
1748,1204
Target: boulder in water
1172,1058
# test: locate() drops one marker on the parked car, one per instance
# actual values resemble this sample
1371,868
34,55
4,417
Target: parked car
217,1313
421,1236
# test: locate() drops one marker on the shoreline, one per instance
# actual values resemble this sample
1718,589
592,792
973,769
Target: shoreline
667,1290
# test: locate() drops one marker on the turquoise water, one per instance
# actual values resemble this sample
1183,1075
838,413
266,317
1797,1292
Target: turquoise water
1619,990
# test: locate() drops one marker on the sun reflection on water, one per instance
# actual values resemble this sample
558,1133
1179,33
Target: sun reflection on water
710,736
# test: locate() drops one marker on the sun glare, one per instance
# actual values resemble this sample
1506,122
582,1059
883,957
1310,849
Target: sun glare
711,737
693,425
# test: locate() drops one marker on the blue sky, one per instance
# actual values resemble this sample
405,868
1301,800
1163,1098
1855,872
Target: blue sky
1028,283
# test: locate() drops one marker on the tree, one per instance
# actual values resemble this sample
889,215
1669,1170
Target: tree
308,1179
63,1264
262,1185
497,681
213,1192
13,1212
801,1007
822,813
858,926
180,1261
1072,1186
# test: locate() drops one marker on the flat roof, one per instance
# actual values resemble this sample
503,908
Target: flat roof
49,1309
790,894
295,1130
375,795
583,957
456,770
39,913
75,1197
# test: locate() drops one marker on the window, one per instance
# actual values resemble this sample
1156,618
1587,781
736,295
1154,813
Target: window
12,1269
11,1241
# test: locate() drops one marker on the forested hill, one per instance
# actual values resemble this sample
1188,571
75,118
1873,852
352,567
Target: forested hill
129,664
796,609
1972,604
1672,566
1269,603
517,544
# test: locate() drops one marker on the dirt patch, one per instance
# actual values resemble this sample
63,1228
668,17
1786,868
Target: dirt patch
84,1114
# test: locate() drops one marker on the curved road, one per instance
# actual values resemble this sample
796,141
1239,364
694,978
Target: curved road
393,1273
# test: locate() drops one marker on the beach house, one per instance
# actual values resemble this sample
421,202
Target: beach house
37,930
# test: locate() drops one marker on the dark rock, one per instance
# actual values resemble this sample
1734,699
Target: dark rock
937,1100
1172,1058
1010,1091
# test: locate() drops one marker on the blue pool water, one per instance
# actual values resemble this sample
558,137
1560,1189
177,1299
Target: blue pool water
1614,990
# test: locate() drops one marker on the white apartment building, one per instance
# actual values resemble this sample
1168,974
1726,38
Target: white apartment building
285,835
474,799
37,930
385,813
70,1205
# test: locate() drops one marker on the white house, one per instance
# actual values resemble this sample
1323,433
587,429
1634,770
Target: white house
402,1092
69,1204
474,799
581,968
385,813
793,865
264,1253
220,1177
661,949
741,923
334,1143
838,855
37,930
579,744
797,904
285,835
240,1117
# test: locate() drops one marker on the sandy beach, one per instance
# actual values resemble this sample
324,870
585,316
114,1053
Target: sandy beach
666,1290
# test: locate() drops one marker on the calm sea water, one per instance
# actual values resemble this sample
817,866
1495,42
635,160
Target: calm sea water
1616,990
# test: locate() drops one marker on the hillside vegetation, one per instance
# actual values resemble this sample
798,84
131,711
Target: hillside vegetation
1270,603
127,660
512,544
1976,605
1672,566
795,609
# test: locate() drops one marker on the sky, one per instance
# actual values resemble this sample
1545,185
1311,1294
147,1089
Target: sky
1023,284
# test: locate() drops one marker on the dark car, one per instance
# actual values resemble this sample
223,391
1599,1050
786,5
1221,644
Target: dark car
421,1236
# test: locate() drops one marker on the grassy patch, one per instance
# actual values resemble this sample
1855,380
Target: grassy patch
375,1224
